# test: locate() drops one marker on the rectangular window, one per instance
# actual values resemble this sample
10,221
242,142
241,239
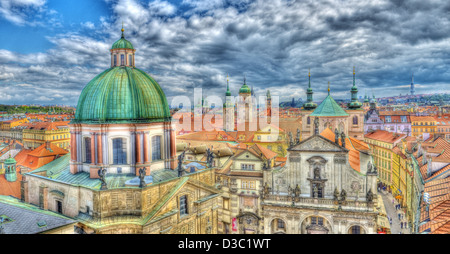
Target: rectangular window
122,60
280,224
248,185
156,148
250,167
119,152
130,61
226,204
87,143
115,60
183,205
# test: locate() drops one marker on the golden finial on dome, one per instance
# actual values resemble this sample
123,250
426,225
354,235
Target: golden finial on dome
122,30
354,70
309,72
329,88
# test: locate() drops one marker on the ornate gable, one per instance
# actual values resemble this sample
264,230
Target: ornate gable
318,143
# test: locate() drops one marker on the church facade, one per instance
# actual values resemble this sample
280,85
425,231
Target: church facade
319,191
121,174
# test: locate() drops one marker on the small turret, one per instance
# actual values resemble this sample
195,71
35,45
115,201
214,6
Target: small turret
10,171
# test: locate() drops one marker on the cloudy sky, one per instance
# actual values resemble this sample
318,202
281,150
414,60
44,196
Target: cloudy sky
50,49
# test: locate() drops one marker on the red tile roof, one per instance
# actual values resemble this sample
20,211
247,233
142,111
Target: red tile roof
385,136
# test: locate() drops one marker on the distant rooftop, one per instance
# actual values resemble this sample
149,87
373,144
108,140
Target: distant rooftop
22,218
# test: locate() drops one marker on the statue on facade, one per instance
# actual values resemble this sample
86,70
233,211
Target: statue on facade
316,126
209,158
369,196
369,167
180,164
343,139
265,167
102,176
336,136
290,191
266,189
317,173
297,191
336,194
142,177
343,195
291,140
297,139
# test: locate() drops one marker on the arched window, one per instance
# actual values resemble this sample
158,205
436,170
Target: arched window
278,226
119,152
355,230
156,148
355,120
87,147
122,60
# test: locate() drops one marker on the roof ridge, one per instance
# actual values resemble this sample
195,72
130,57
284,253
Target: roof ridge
162,201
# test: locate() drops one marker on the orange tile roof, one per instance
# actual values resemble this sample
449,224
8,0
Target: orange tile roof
40,156
269,154
354,146
385,136
422,118
48,125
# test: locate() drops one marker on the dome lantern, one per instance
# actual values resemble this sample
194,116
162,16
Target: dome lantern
122,53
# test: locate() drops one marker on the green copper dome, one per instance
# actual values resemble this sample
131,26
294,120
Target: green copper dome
245,89
122,95
122,44
10,160
329,107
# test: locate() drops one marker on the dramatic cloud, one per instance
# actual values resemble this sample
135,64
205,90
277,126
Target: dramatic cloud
272,43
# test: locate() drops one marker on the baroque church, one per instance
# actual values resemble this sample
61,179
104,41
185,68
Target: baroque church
328,186
121,174
349,121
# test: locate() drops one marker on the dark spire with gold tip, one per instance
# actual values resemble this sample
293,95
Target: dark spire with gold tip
354,104
309,105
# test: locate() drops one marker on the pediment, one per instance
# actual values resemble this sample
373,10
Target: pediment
247,156
318,143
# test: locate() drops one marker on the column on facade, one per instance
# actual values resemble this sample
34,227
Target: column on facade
73,147
146,157
79,146
93,148
105,148
100,150
133,147
138,148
